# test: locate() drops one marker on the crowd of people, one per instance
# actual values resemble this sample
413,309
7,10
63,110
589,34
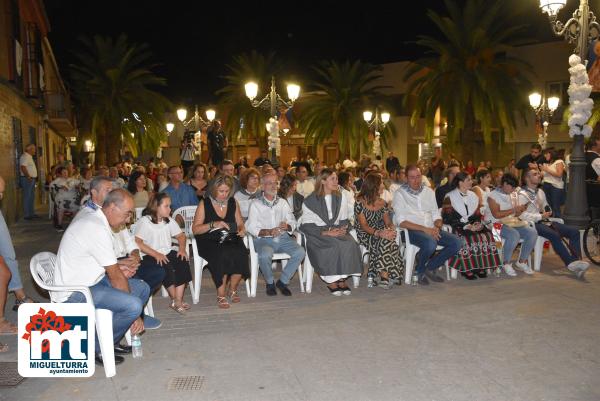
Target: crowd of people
471,219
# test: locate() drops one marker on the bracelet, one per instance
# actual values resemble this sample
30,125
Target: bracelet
211,225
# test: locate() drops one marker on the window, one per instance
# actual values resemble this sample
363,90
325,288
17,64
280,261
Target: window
18,141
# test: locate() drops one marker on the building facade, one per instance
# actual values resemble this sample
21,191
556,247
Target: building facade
34,103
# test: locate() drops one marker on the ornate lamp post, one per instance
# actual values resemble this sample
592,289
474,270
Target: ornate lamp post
543,111
575,30
196,123
376,124
271,101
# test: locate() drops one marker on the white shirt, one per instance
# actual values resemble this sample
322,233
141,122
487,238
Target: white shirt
596,163
348,163
85,250
419,209
534,206
351,201
502,199
244,202
157,236
261,216
118,183
305,188
27,161
308,216
123,243
556,182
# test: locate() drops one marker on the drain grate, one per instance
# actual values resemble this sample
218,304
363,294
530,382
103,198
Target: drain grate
186,383
9,374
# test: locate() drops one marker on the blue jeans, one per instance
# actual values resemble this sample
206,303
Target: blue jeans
512,235
126,307
427,246
554,237
28,195
266,247
555,197
7,251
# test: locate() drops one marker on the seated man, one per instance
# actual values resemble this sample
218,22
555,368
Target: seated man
442,190
86,257
271,222
538,210
501,205
181,194
415,209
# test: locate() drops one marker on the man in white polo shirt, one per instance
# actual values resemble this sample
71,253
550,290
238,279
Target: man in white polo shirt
86,257
27,180
270,220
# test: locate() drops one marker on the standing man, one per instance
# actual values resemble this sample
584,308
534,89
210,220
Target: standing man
391,163
531,160
592,171
28,177
263,159
217,143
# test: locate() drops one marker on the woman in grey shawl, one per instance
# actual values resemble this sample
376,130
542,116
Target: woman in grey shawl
332,251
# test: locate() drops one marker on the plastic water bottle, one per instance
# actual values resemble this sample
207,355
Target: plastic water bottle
136,346
370,282
498,271
415,279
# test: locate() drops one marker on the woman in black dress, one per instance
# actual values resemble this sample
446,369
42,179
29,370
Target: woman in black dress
199,179
227,260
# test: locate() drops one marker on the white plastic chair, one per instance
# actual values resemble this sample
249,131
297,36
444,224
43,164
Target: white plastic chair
42,268
538,251
309,269
409,252
138,213
254,268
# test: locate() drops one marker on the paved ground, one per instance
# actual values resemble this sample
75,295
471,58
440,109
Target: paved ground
527,338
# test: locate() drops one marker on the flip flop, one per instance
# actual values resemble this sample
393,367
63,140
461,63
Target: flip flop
7,327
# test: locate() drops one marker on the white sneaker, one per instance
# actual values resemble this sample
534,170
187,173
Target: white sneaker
578,265
508,269
524,267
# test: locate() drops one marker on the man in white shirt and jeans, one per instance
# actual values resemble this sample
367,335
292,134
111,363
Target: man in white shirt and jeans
27,180
86,256
271,222
415,209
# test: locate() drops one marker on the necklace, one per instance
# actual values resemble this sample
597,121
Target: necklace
221,204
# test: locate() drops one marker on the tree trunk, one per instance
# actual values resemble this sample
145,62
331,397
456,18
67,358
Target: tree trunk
113,147
100,153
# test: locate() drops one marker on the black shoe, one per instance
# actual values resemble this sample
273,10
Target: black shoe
123,349
469,276
271,290
28,218
118,359
432,275
422,280
283,288
482,273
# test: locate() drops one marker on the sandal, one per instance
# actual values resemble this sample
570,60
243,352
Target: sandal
185,305
177,308
7,327
222,302
234,297
18,302
3,347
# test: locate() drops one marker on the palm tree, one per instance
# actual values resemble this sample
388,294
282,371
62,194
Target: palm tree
232,99
468,75
112,83
334,107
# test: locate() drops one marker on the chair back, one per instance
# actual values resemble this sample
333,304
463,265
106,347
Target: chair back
43,266
138,213
187,213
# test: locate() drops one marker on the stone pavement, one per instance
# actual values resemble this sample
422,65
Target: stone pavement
525,338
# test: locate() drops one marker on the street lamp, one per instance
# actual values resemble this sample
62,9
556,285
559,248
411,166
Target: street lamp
199,123
271,101
377,123
575,30
170,127
543,111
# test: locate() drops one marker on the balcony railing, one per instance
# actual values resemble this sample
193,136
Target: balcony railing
58,109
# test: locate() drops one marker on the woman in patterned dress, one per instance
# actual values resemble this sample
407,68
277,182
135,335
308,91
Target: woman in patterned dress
461,211
66,194
376,232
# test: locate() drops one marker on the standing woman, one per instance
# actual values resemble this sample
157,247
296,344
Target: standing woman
553,184
199,179
153,234
227,260
376,232
462,212
331,249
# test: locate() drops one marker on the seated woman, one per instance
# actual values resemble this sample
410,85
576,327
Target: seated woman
6,327
460,210
227,260
332,251
199,179
250,184
376,232
153,234
66,194
137,187
482,188
287,191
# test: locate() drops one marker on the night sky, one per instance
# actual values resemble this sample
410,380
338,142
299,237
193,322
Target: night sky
194,40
